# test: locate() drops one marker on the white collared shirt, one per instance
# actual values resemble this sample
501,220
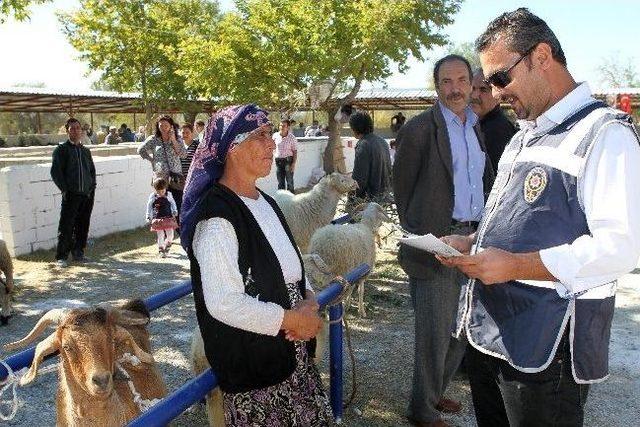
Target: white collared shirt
611,203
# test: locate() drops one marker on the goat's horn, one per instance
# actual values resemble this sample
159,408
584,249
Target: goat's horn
52,316
129,318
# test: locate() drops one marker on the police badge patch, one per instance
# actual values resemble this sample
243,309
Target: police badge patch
534,184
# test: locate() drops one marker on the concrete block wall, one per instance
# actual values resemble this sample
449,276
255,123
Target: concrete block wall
30,202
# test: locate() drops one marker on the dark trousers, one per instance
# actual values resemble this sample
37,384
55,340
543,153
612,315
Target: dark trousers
504,396
284,173
73,228
177,196
437,354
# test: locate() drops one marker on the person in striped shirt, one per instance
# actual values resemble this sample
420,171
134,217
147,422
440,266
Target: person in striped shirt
190,144
286,155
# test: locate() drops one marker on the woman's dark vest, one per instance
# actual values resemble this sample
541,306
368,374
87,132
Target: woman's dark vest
244,360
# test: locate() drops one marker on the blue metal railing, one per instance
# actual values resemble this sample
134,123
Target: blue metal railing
344,219
196,389
24,358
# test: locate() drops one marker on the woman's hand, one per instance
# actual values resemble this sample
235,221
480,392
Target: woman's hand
302,322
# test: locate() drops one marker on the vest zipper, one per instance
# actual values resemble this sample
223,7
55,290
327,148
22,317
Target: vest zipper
466,316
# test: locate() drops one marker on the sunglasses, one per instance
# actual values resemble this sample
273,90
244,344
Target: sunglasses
502,78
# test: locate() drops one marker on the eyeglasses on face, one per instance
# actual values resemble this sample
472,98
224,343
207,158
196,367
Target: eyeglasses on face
502,78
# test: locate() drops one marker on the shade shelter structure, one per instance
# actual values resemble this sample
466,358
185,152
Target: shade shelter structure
45,100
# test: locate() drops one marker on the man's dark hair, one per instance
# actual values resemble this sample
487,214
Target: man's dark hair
188,126
448,58
522,31
347,109
286,122
200,123
67,125
361,123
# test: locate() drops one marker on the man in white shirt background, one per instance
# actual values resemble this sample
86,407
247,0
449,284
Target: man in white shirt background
561,225
286,155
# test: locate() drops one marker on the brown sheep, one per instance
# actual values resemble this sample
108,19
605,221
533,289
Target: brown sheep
93,342
6,283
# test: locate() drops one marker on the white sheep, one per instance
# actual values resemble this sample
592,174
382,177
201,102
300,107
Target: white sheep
334,250
6,283
307,212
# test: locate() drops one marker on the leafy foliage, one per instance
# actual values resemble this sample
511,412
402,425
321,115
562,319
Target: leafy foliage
271,51
614,73
134,42
19,9
267,51
468,51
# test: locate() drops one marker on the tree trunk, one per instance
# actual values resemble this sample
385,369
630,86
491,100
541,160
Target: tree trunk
333,158
148,116
189,116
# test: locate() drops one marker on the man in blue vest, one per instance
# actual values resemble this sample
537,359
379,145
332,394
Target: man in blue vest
561,225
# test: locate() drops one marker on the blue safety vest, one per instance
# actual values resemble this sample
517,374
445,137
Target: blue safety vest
536,204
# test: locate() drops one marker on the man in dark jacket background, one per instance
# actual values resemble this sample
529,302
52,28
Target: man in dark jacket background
372,163
495,125
74,173
441,177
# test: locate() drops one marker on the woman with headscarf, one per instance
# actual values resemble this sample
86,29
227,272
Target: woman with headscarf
256,313
164,150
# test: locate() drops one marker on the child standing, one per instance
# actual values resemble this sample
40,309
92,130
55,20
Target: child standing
162,213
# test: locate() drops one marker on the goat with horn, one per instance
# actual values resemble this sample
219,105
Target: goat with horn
106,373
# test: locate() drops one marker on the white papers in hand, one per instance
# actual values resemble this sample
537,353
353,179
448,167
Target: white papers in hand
429,243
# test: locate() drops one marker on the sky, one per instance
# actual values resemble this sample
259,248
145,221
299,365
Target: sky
36,51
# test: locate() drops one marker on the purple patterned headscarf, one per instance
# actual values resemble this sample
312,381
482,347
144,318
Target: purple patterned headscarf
227,128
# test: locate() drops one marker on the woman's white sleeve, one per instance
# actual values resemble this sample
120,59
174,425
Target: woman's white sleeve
215,246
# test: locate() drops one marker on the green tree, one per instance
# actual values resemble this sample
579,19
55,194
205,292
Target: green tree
615,72
468,51
19,9
133,43
272,51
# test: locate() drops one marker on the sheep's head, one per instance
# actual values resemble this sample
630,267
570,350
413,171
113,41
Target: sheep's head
87,339
343,183
317,270
372,213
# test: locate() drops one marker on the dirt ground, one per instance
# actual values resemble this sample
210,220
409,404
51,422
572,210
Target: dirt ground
126,265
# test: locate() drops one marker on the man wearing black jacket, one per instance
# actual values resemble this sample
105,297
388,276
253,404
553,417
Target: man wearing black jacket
495,125
74,173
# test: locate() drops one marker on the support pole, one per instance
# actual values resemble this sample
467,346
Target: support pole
335,359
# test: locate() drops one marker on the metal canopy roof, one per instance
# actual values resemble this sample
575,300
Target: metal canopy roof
412,99
394,99
43,100
20,99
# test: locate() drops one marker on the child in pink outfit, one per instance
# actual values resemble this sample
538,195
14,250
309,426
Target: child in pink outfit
162,213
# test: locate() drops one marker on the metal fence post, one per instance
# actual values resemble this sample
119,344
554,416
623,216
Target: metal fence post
335,359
